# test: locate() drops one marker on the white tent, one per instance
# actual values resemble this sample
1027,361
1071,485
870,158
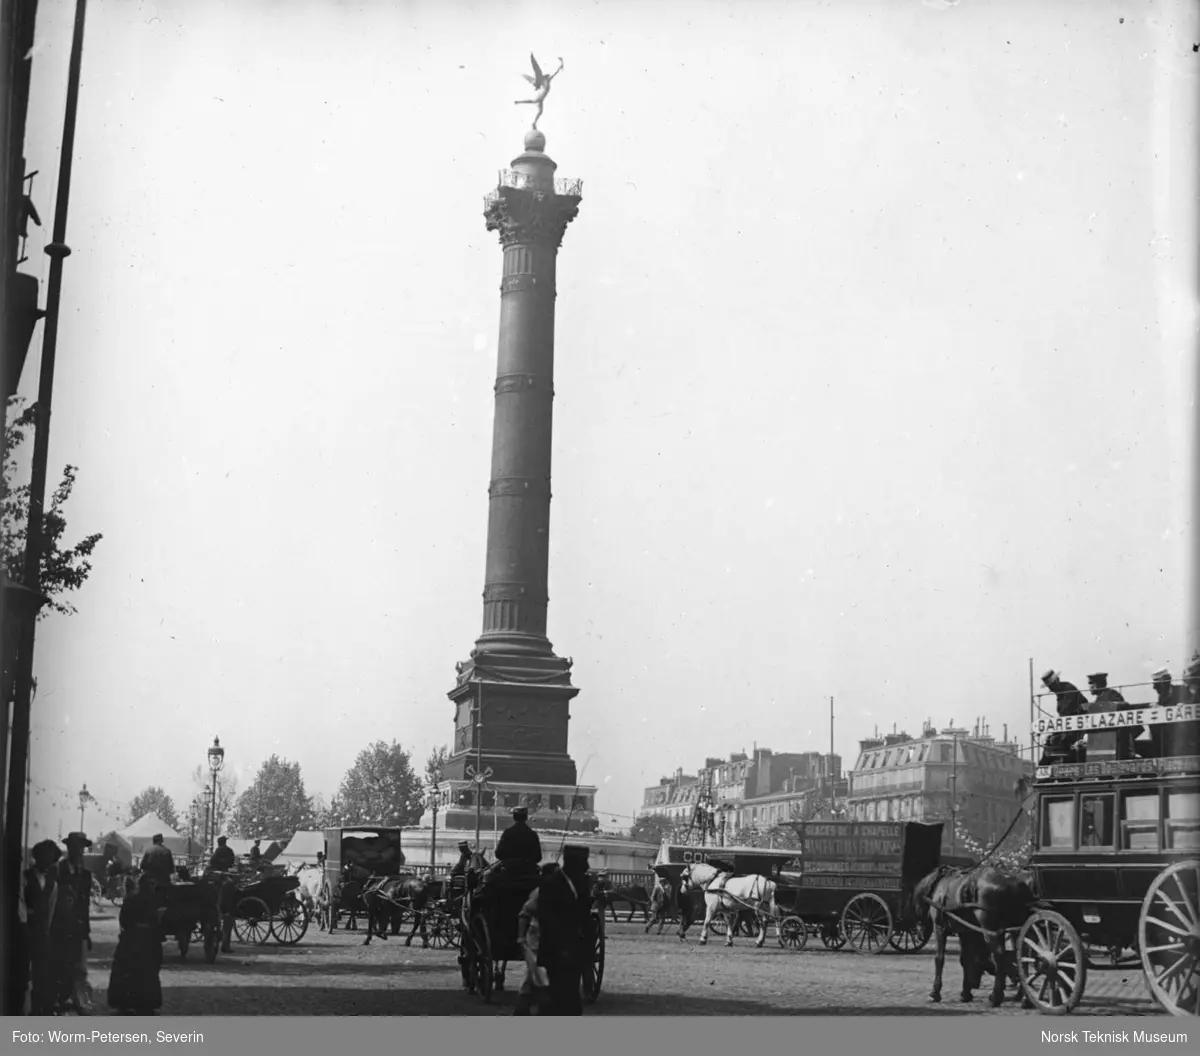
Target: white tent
141,833
303,847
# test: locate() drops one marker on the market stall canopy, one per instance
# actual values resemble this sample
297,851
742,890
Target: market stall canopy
303,847
140,835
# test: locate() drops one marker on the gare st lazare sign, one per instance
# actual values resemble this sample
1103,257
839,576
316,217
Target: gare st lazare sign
1149,715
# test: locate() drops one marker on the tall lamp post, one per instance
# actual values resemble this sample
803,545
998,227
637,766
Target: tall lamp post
84,798
433,796
478,773
208,815
216,763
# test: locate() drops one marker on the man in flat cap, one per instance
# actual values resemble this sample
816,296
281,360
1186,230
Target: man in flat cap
1105,698
158,863
71,928
564,918
519,848
1063,747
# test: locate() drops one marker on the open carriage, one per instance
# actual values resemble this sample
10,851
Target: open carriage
268,907
1116,862
488,933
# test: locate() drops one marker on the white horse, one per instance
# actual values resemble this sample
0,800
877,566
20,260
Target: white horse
729,895
312,877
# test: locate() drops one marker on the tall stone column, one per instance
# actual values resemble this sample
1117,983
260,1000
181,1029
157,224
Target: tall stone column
512,696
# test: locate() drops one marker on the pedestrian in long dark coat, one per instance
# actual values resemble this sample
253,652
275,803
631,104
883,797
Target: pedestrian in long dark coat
563,915
71,929
133,984
41,896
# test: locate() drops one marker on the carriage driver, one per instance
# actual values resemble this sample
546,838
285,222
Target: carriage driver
464,860
158,862
222,858
519,845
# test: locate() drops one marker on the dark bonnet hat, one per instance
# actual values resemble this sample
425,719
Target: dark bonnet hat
575,852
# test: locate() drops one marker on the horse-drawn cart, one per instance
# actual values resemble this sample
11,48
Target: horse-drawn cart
854,885
1115,862
365,850
488,933
266,907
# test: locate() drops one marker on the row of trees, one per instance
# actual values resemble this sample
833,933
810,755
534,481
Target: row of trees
381,788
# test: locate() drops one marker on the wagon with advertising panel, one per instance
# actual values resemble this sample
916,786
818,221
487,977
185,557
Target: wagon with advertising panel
1116,858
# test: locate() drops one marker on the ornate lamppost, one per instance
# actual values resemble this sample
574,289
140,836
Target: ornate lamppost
216,763
433,795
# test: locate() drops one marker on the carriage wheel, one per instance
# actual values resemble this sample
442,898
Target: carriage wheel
911,937
291,923
719,925
866,923
793,934
831,935
252,920
330,909
482,965
593,973
1169,938
1051,963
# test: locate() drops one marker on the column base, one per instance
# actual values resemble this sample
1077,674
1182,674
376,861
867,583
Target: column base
549,805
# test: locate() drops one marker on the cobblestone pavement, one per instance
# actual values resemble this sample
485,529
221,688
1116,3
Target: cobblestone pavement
644,975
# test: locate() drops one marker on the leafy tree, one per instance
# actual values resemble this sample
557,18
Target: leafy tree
276,805
62,568
226,798
153,800
380,788
651,828
435,765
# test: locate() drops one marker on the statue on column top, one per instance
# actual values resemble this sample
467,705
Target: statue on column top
541,83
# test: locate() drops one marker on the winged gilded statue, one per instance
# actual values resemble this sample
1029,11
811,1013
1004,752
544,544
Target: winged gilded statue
541,85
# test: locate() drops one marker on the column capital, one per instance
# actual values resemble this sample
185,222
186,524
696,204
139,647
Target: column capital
523,217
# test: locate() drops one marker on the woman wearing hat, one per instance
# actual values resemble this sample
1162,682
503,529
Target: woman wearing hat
41,896
134,985
71,929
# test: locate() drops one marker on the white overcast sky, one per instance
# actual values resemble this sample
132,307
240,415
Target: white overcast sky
873,357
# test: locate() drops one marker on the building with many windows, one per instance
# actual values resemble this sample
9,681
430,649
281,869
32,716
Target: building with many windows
965,778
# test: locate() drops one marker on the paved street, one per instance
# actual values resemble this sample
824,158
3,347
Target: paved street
645,975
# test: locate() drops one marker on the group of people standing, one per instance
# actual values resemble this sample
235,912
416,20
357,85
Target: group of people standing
56,897
1160,740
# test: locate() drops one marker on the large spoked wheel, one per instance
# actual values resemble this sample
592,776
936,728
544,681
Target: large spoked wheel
482,966
252,920
1051,963
831,935
593,972
290,924
911,936
866,923
718,926
793,934
1169,938
331,913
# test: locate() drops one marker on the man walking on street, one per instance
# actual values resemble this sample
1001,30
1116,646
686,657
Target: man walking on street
563,916
71,930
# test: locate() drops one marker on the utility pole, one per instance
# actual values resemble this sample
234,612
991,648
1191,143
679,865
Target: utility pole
14,806
954,797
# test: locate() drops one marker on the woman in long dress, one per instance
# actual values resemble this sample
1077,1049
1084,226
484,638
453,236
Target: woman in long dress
133,986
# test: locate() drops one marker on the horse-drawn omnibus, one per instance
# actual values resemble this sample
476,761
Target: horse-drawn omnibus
364,849
1116,860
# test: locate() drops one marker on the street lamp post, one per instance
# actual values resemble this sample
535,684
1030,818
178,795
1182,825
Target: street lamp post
432,798
208,818
478,773
84,796
216,763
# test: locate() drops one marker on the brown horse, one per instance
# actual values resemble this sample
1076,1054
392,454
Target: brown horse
979,906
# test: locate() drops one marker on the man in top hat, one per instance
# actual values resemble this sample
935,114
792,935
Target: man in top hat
222,858
519,844
158,862
464,859
564,919
71,928
1062,747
